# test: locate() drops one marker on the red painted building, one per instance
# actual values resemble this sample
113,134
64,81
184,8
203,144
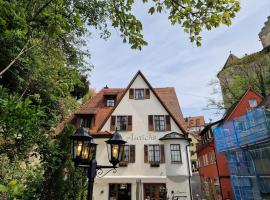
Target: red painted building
213,168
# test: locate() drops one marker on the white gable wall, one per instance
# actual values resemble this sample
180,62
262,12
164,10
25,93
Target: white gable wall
139,136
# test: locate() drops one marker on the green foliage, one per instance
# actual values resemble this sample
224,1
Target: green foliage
61,174
20,124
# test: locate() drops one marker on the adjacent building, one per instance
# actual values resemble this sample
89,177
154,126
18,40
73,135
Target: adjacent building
195,139
245,141
156,161
195,124
213,164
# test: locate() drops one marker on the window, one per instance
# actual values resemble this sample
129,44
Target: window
126,154
175,153
110,102
154,153
159,122
122,123
86,122
252,103
139,93
212,158
205,160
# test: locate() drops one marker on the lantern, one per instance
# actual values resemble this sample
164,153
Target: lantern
83,147
115,147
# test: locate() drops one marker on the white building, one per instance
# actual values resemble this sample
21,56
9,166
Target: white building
156,162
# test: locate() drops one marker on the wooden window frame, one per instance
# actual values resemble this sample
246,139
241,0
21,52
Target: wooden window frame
158,126
142,90
110,102
118,126
173,161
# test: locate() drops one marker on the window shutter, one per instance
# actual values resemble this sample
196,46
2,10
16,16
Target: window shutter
131,93
145,153
112,123
168,123
150,123
129,123
132,153
147,93
162,154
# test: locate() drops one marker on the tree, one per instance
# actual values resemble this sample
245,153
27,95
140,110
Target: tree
64,21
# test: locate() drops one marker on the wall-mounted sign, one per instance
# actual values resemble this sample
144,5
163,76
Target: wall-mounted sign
135,137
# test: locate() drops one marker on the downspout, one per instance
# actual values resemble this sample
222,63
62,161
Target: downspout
218,171
189,175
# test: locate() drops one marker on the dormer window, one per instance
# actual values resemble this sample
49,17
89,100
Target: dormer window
110,102
86,121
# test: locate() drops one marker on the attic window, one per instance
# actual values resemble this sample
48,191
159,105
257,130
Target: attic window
87,121
139,93
110,102
252,103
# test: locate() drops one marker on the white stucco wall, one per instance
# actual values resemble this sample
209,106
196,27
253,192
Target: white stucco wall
174,175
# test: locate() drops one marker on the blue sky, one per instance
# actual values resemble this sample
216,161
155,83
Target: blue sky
171,60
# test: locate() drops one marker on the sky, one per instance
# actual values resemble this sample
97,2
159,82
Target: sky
170,60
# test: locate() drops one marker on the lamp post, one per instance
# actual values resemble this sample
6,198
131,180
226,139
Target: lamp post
84,154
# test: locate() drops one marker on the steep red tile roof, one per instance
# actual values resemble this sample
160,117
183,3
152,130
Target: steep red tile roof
167,96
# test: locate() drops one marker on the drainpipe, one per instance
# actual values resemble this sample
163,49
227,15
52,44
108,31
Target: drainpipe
218,171
189,175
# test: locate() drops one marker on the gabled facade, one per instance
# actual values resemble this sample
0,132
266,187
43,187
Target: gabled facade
156,162
213,165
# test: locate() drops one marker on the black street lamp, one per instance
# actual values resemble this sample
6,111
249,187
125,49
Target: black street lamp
84,154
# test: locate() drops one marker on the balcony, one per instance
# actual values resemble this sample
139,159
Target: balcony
247,129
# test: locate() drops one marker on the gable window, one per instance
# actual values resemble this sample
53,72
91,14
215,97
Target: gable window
159,121
110,102
175,153
154,153
252,103
139,94
122,123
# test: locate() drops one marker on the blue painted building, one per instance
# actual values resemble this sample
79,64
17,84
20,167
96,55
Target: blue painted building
246,143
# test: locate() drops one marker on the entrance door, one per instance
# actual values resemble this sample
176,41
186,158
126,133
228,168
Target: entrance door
119,191
154,191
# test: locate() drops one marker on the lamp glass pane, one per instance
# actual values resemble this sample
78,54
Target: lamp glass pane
78,148
115,151
121,152
85,151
